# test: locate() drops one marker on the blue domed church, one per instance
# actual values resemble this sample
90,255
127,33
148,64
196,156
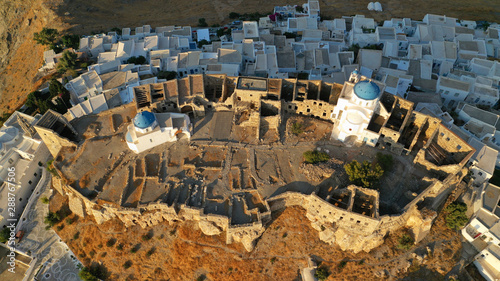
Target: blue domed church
152,129
357,103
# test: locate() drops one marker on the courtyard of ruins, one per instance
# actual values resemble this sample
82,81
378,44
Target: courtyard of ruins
222,174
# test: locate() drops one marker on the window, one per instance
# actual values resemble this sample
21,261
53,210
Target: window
457,94
151,140
480,173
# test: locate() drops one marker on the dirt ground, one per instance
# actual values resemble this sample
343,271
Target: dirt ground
181,252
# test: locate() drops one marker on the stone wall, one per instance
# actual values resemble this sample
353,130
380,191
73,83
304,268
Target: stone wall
343,227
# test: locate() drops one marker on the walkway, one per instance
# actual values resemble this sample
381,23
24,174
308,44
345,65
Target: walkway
55,261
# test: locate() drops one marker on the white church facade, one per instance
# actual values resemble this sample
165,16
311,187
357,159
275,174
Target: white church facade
356,106
152,129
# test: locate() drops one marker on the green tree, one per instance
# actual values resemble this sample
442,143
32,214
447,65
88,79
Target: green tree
4,235
137,60
117,30
314,156
93,273
67,62
363,174
456,215
202,22
169,75
405,242
45,200
51,218
71,41
32,100
234,15
321,273
203,42
220,32
48,36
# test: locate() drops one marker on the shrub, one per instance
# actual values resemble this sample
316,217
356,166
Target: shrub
150,252
119,247
234,15
60,227
314,156
322,272
127,264
133,250
202,22
169,75
76,235
273,260
405,242
146,237
363,174
110,242
44,200
47,36
86,274
92,254
297,129
84,65
117,30
4,235
51,219
69,221
137,60
456,217
202,42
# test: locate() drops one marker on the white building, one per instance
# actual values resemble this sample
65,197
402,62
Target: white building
483,232
482,163
356,105
22,156
452,91
152,129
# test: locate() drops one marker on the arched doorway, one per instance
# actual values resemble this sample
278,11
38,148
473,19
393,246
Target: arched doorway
188,109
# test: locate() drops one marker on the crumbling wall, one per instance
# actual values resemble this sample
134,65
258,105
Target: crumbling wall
313,108
53,141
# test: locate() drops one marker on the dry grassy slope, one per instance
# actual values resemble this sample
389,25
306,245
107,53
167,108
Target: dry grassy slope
182,252
20,57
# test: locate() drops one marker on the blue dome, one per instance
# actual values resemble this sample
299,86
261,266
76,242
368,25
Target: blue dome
144,119
366,90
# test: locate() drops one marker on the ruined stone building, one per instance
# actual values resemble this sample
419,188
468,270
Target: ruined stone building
239,165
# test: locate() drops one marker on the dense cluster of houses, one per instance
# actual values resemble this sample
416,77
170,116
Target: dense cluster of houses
449,68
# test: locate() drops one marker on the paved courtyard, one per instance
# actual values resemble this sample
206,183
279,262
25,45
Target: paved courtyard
53,255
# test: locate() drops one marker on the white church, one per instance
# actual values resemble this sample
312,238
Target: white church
152,129
358,101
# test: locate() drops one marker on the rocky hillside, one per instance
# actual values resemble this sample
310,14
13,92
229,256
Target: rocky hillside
180,251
